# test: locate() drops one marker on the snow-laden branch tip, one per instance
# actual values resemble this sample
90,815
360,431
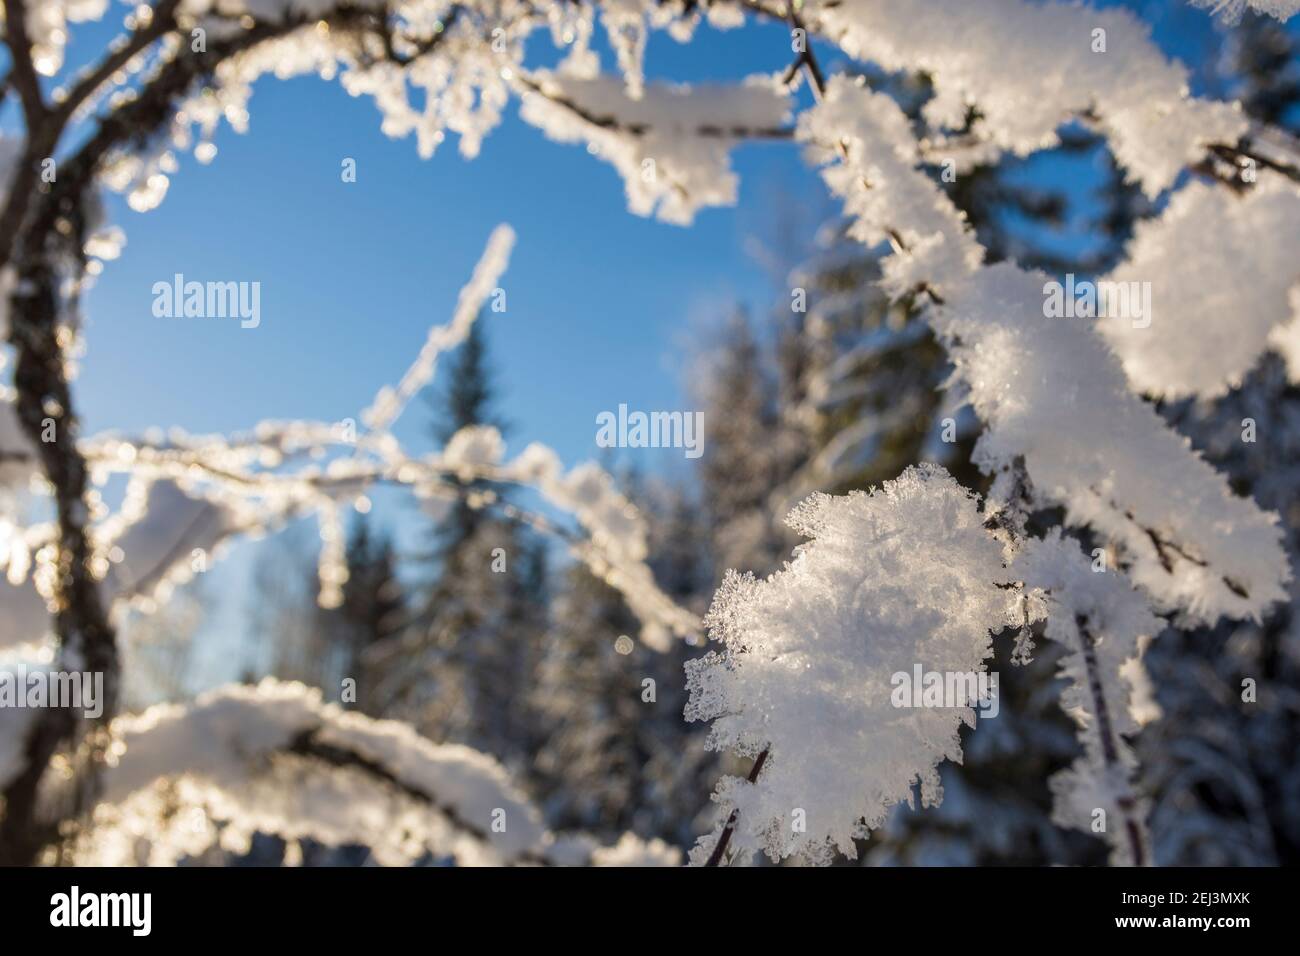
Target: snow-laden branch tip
671,144
1029,67
902,577
1048,389
1218,295
869,155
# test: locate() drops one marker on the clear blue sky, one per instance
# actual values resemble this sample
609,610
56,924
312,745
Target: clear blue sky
352,274
602,304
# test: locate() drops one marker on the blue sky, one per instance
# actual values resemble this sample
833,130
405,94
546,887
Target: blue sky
352,274
603,306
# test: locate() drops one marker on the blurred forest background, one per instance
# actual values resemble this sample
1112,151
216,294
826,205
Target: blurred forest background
527,665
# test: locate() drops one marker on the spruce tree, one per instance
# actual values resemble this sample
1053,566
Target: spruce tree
373,606
461,667
617,755
324,647
742,468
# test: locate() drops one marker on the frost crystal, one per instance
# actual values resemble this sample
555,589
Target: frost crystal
872,156
1051,393
903,576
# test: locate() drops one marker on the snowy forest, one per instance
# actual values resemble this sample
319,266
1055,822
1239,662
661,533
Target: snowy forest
979,539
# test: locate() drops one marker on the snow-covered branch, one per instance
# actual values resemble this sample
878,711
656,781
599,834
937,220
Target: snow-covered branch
273,758
1048,389
1029,67
671,145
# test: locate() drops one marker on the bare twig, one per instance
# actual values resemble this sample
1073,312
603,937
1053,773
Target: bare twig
807,59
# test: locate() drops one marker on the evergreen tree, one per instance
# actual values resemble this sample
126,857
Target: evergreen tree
373,605
284,617
319,646
461,668
745,460
617,755
870,399
468,400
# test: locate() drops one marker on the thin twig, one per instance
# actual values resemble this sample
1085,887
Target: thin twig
1134,831
724,839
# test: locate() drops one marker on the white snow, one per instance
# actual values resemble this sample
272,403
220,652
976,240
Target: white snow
1029,67
390,402
183,779
1218,294
902,576
224,747
670,168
